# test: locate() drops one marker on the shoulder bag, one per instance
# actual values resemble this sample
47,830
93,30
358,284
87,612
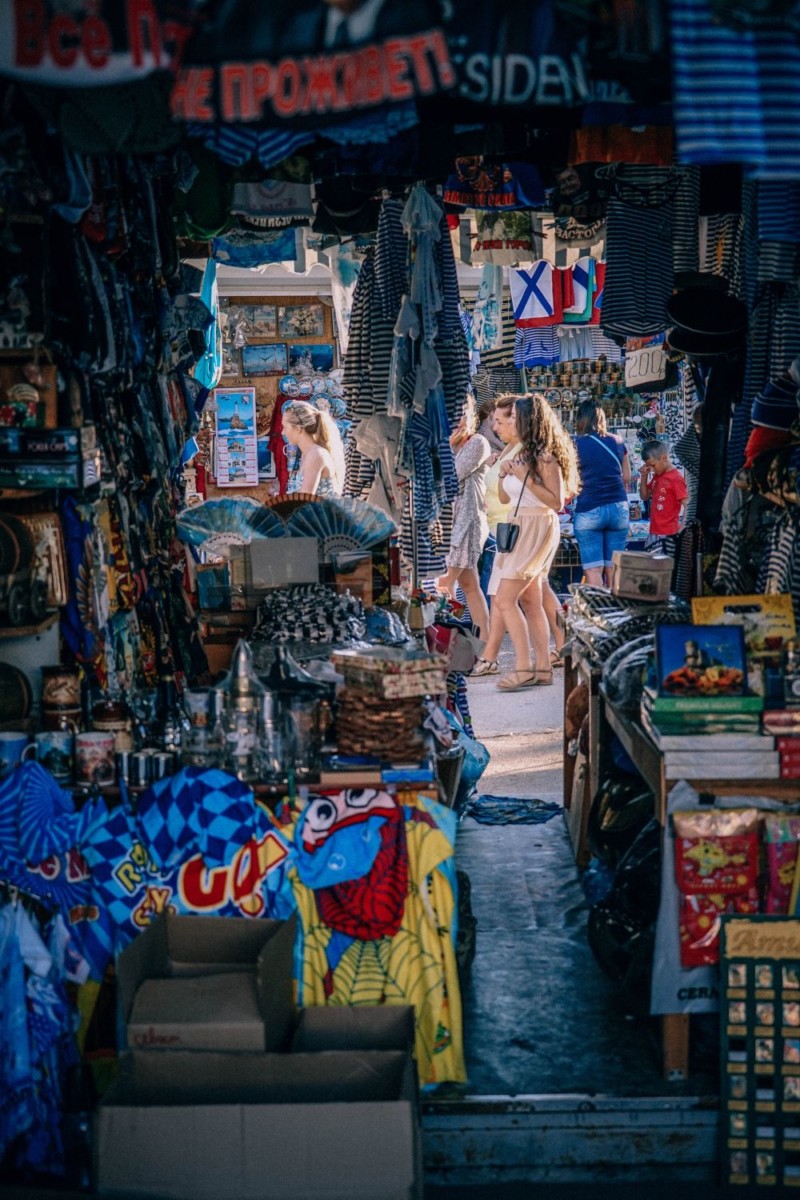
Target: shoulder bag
507,533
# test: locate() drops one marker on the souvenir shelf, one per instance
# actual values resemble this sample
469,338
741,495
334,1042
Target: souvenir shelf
17,631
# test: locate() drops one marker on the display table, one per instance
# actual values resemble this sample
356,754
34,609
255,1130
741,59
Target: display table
650,762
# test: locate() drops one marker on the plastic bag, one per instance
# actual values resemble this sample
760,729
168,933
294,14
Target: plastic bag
476,756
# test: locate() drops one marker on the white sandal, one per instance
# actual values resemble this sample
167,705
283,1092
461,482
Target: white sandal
486,666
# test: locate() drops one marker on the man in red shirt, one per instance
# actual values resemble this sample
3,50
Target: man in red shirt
663,485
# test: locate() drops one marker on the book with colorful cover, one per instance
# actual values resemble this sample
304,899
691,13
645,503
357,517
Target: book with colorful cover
706,662
767,621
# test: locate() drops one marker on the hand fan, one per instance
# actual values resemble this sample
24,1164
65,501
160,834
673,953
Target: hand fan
217,523
340,524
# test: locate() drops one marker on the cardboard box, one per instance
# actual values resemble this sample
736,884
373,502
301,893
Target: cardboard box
329,1126
363,1027
636,575
212,983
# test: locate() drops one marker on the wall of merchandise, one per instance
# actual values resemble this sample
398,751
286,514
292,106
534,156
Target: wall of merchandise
264,340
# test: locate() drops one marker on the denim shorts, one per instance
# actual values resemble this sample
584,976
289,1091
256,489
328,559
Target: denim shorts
600,532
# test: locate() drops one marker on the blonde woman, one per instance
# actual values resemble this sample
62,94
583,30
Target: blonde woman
504,425
536,482
470,526
322,466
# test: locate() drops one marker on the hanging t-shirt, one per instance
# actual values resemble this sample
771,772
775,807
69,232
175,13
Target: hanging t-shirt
536,347
538,294
583,276
667,493
597,294
600,465
482,182
736,92
504,238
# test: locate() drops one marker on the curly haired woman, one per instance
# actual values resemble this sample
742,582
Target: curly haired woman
536,482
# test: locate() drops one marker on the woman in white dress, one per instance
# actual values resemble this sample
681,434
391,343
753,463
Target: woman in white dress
470,525
536,483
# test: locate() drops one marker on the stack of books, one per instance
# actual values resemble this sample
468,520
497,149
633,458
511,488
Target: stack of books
705,737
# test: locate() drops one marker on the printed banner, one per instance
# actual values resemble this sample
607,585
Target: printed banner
91,42
311,62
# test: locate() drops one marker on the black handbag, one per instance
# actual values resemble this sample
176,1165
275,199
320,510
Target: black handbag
507,534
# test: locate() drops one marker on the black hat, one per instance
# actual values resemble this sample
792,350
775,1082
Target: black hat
706,322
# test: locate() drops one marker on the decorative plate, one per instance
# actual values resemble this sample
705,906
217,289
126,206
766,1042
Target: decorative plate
289,385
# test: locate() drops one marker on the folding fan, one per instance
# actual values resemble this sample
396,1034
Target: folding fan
266,523
218,523
341,524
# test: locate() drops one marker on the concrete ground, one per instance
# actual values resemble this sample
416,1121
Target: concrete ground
522,731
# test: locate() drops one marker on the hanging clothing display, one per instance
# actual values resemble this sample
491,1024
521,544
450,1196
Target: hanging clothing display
361,943
737,92
408,356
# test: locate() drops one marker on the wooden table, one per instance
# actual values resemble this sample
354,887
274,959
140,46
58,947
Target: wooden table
650,762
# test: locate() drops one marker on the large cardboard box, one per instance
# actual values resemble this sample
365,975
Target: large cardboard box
209,983
198,1126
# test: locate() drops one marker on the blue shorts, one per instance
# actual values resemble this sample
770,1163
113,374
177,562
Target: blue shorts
600,532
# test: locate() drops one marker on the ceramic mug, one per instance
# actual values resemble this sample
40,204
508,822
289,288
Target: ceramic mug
55,750
14,748
94,758
61,687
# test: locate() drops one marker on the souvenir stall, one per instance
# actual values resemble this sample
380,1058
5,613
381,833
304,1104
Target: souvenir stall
226,696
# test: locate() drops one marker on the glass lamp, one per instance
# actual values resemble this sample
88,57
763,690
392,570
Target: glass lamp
297,714
240,715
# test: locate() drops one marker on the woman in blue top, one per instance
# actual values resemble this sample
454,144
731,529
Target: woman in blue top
601,510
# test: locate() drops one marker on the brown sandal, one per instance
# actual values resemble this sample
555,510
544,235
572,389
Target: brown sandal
542,679
515,681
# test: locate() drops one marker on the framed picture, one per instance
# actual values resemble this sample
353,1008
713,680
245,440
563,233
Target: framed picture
230,359
301,320
266,463
306,360
264,359
701,660
262,319
236,412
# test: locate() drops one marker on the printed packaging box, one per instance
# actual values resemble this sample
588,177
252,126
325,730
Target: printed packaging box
636,575
209,983
328,1126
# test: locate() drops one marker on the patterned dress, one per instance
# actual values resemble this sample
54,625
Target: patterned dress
470,526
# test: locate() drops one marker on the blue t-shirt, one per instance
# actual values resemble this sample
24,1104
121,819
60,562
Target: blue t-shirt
600,464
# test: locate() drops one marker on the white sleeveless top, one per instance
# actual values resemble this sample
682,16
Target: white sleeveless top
514,488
